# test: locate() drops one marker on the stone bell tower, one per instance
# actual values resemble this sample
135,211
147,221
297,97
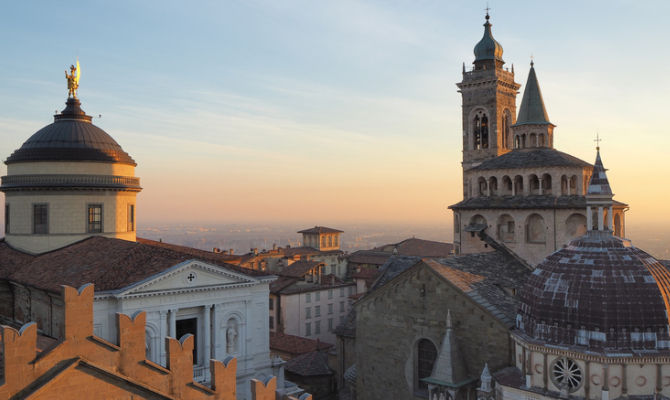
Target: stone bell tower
489,103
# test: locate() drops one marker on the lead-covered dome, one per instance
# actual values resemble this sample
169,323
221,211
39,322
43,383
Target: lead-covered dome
71,137
488,48
599,291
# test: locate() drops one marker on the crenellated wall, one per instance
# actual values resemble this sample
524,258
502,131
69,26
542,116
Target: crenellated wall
83,365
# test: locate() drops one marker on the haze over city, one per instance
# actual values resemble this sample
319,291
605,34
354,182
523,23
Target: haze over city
337,112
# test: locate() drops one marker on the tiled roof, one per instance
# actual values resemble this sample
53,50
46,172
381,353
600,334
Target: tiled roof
392,268
602,284
295,345
532,109
489,279
525,202
420,248
314,363
531,158
200,254
110,264
293,285
281,283
320,229
298,269
369,257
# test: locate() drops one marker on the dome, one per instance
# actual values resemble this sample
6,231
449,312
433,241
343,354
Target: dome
598,291
488,48
71,137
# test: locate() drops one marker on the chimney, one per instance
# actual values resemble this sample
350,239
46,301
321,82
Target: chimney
255,251
274,246
231,252
216,250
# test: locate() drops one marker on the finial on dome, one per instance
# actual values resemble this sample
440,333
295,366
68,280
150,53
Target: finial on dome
487,12
532,61
73,80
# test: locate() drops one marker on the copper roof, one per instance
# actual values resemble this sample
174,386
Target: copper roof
71,137
601,289
110,264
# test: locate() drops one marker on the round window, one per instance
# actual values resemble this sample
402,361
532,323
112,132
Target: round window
566,373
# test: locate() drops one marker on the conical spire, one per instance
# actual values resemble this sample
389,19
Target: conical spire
532,109
598,184
488,48
449,366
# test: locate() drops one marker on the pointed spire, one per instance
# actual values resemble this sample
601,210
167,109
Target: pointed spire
449,367
599,184
485,379
532,110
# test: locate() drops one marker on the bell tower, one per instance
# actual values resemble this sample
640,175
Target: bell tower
489,103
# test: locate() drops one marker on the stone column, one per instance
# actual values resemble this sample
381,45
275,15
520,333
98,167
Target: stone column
600,218
172,324
207,353
541,190
610,218
162,334
216,339
589,219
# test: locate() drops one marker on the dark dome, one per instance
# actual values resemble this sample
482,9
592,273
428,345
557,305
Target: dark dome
71,137
488,48
599,291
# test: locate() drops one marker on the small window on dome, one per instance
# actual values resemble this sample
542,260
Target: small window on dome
40,219
94,218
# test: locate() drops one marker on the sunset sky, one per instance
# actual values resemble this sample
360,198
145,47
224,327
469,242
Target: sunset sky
326,112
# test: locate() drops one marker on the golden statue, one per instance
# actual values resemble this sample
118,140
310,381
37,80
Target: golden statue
73,80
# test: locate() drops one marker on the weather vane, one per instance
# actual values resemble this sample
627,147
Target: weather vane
73,80
597,140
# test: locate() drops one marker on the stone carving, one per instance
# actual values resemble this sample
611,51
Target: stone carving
231,336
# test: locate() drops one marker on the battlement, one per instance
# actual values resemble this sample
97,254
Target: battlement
85,366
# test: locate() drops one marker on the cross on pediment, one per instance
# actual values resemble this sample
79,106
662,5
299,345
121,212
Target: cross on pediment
191,277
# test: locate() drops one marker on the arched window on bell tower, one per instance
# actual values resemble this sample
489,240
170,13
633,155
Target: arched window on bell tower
477,133
485,132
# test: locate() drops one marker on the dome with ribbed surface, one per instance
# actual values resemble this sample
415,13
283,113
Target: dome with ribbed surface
71,137
488,48
600,292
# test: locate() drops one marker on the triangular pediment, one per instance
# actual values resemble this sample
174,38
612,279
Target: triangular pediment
192,274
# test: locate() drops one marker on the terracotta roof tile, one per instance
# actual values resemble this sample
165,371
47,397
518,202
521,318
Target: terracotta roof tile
298,269
110,264
320,229
296,345
420,248
314,363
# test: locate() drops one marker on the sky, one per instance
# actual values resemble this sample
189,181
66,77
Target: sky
327,112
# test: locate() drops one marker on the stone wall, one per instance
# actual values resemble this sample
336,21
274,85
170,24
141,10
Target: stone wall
413,306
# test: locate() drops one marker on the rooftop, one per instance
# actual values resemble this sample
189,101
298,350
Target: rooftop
295,345
110,264
531,158
320,229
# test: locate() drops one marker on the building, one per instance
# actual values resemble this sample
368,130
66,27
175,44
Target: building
70,194
593,321
83,365
516,186
319,244
306,302
401,323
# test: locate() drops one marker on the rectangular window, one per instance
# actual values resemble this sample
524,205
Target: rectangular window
317,296
272,304
308,298
308,312
330,308
351,290
94,218
341,292
317,327
40,219
330,324
330,293
131,217
308,329
272,322
317,311
6,219
341,306
341,318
